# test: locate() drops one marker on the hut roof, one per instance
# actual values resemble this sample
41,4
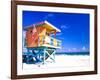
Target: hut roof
44,24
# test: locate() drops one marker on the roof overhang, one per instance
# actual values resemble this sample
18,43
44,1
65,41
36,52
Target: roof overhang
52,27
45,24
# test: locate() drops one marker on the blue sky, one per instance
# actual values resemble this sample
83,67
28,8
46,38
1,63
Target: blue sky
74,27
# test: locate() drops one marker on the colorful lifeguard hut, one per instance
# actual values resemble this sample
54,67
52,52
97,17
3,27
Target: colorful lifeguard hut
39,43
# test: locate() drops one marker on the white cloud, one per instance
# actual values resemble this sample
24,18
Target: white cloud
83,48
69,50
48,16
74,49
24,34
59,34
65,26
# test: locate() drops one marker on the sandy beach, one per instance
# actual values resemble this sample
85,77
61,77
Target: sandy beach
62,61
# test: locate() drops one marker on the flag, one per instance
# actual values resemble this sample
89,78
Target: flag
34,33
34,30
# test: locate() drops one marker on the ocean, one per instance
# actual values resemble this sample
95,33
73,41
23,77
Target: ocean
72,53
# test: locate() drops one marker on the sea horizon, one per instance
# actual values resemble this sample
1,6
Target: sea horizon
73,53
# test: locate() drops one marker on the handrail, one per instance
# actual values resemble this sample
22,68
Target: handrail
53,38
52,42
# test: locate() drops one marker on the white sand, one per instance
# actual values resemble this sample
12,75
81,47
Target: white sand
62,61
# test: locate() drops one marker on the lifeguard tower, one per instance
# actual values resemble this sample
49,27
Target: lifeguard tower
39,43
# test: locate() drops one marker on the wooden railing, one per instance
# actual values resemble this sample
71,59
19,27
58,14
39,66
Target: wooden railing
50,41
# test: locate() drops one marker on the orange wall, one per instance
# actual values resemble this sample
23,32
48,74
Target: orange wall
32,36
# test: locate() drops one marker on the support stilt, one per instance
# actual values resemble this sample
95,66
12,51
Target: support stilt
40,55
